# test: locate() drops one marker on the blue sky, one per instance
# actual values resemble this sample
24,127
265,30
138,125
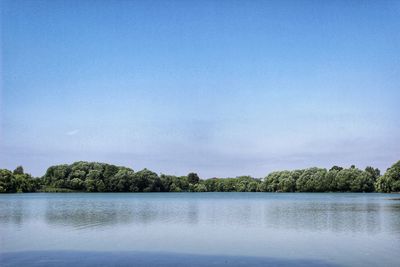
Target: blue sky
223,88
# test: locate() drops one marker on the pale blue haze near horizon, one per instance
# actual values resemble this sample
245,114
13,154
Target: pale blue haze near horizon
222,88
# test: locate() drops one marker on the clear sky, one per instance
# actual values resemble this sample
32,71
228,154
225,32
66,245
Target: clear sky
222,88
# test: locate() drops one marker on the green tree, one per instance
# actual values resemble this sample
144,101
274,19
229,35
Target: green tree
336,168
100,186
19,170
331,180
272,182
94,176
7,182
390,181
200,187
76,184
145,181
211,184
90,185
193,178
175,188
123,181
312,180
375,173
349,180
362,182
286,182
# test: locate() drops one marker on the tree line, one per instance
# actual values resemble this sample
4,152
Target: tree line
101,177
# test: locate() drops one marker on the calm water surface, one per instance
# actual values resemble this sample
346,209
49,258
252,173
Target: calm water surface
200,229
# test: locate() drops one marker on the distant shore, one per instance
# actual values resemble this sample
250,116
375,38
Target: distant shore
84,176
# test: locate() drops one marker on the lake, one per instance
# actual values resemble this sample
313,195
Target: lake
199,229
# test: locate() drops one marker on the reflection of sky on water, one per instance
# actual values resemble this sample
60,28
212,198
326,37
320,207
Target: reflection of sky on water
90,258
354,228
12,212
374,215
335,217
88,213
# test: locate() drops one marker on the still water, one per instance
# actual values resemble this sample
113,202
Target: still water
200,229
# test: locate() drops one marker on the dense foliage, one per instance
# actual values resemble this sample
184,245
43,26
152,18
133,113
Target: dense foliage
390,181
17,181
336,179
101,177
